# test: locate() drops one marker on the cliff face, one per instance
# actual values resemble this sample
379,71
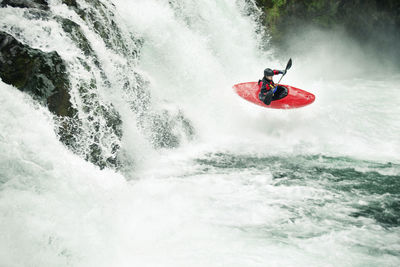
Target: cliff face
372,21
41,74
45,76
79,59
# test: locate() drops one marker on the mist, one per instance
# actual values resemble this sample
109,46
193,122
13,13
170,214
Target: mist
334,54
244,186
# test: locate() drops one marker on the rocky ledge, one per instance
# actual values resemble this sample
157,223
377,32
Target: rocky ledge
41,4
42,75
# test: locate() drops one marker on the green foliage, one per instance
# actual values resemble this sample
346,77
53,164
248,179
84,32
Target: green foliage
362,19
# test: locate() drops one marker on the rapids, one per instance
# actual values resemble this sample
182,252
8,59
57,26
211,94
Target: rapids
233,184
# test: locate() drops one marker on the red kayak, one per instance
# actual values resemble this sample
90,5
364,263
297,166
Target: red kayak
285,97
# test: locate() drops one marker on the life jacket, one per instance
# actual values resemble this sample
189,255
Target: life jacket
266,85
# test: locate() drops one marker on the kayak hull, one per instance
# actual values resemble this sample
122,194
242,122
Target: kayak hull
295,97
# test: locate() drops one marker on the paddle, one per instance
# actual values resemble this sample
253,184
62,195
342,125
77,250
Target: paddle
288,66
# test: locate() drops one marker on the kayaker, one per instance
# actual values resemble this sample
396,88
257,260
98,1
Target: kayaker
268,85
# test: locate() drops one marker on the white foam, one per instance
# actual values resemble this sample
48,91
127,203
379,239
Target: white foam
58,210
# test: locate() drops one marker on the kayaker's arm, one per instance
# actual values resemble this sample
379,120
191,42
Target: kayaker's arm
279,72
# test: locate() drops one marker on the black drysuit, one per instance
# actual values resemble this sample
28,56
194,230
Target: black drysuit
267,87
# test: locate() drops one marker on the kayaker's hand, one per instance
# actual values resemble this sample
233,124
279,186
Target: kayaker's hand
283,72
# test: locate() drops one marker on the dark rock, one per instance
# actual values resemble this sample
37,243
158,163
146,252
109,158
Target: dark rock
43,75
101,19
40,4
94,131
96,153
97,136
76,34
70,3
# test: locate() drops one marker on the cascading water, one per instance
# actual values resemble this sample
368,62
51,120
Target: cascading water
191,175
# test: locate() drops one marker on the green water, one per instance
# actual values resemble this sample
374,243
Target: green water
370,189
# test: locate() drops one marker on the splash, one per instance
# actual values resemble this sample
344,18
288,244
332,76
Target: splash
191,174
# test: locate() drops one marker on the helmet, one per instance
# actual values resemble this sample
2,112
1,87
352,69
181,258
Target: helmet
268,72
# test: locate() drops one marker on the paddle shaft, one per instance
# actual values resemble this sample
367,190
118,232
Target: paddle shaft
281,78
288,66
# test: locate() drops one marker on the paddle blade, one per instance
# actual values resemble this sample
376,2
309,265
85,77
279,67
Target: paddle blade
289,64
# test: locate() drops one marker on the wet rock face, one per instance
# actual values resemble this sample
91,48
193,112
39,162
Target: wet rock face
41,4
91,126
71,3
43,75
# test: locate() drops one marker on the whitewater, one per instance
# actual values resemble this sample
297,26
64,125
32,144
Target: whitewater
236,184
